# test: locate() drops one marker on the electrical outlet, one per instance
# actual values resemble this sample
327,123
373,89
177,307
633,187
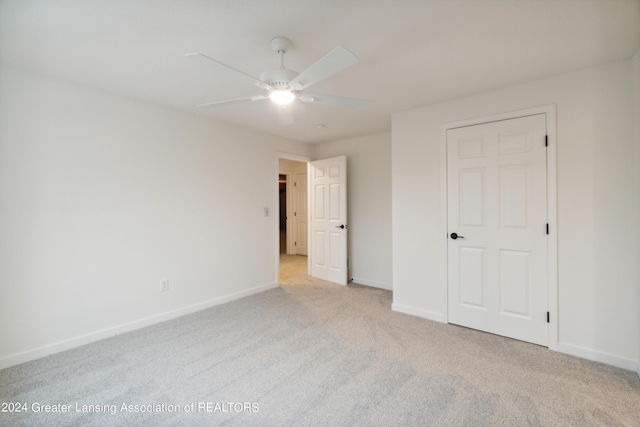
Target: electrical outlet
164,285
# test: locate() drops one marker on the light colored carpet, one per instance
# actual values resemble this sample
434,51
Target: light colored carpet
319,354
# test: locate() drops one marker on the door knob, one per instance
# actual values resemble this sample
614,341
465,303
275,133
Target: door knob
455,236
342,226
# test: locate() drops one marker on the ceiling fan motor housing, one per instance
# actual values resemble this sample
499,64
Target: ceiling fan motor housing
278,78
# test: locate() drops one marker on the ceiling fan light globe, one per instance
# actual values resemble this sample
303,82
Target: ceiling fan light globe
282,97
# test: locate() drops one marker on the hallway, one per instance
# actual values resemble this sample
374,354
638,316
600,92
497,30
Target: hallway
293,269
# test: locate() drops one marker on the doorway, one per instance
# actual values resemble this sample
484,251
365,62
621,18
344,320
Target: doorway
316,223
292,221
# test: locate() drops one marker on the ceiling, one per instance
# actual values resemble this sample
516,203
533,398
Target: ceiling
411,53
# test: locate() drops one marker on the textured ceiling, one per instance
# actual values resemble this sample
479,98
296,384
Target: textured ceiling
412,53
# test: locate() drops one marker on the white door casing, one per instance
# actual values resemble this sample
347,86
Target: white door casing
497,200
301,214
328,187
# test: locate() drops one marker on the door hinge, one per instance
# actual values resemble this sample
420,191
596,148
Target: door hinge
548,318
546,140
295,184
547,228
295,214
295,243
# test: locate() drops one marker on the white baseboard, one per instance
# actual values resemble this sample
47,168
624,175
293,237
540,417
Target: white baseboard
58,347
597,356
372,283
430,315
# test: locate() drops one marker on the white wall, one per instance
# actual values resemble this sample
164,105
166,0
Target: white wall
597,206
369,206
102,197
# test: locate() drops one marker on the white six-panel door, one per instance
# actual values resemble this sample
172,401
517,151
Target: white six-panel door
328,186
497,205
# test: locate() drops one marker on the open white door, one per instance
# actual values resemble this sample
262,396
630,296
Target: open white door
328,186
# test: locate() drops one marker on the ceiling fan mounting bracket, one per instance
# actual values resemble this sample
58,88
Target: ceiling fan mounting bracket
278,78
280,44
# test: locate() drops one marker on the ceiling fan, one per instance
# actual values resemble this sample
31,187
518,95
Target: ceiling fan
283,86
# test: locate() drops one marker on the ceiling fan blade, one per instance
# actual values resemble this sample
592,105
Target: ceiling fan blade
206,59
233,101
354,104
333,62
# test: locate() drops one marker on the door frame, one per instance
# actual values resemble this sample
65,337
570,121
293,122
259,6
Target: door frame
552,217
276,225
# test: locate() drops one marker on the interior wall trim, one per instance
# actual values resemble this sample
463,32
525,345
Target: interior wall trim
69,344
372,283
597,356
429,315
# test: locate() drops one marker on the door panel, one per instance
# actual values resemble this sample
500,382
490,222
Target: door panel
319,249
472,197
329,213
319,199
335,240
335,206
514,283
514,196
496,180
472,277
